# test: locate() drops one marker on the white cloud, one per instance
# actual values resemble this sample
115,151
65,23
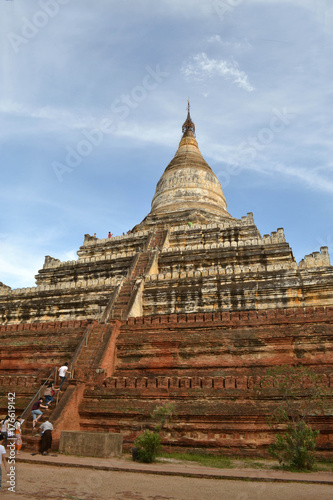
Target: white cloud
163,134
214,39
240,45
310,178
18,266
55,115
200,67
317,178
21,258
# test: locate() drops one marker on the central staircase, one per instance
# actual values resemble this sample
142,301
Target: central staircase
144,260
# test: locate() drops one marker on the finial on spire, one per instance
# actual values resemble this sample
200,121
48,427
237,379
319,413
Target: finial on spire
188,124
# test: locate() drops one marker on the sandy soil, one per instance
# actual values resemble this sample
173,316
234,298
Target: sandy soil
56,483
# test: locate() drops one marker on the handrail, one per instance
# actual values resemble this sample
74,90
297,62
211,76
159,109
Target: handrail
114,296
84,340
152,258
148,241
37,394
55,370
144,248
134,292
133,266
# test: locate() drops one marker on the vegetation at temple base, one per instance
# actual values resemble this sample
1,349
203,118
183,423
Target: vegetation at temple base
163,415
206,458
301,397
148,444
296,447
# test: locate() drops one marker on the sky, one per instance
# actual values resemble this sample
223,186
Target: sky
94,94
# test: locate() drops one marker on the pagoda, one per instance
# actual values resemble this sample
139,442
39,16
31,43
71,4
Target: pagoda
191,306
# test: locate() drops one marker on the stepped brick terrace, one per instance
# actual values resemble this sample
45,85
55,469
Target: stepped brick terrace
192,306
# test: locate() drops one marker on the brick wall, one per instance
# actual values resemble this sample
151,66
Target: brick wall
210,365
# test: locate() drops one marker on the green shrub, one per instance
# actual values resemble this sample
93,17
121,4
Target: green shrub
147,446
296,447
299,396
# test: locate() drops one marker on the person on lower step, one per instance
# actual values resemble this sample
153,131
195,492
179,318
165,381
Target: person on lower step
45,444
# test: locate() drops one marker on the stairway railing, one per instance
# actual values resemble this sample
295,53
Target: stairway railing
133,266
54,372
134,292
37,395
146,246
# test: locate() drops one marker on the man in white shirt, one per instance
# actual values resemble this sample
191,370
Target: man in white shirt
63,370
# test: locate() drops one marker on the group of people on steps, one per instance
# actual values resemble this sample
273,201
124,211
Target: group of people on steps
45,428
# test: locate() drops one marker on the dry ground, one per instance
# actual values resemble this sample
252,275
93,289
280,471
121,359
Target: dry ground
39,482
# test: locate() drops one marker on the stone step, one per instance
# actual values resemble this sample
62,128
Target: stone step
123,296
123,299
87,354
125,293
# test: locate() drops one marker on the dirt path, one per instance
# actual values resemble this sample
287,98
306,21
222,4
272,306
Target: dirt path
56,483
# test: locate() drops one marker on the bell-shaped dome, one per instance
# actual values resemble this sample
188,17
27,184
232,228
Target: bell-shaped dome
188,182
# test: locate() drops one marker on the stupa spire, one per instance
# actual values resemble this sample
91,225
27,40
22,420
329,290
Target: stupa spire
188,189
188,124
188,184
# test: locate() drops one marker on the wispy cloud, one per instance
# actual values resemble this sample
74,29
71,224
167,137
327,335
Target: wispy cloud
60,116
318,179
314,178
240,45
17,265
200,67
214,39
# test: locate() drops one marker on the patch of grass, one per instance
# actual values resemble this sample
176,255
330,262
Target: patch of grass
219,461
235,462
253,463
320,466
324,465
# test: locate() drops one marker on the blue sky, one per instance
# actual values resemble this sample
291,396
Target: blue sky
93,96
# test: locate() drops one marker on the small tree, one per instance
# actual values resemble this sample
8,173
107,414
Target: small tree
163,415
296,447
148,444
301,397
